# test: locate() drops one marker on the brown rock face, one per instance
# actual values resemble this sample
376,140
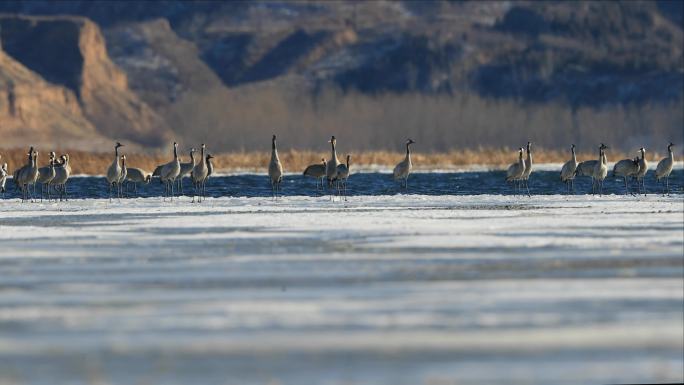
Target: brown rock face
35,112
70,53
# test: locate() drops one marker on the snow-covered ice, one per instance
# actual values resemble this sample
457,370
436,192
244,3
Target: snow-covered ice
404,289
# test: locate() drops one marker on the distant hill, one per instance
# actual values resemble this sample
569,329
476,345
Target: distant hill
452,72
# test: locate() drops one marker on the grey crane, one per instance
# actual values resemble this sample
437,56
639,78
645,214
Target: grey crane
275,169
528,168
567,174
114,172
403,169
186,169
169,172
62,173
137,175
643,169
124,174
342,176
601,169
45,176
210,165
3,177
625,169
331,165
22,169
27,176
317,171
210,172
664,168
199,175
515,171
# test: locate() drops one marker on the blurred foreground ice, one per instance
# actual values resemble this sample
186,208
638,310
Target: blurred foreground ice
378,290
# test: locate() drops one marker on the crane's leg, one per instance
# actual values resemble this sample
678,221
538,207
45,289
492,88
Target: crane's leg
330,183
527,185
667,184
628,185
345,189
643,184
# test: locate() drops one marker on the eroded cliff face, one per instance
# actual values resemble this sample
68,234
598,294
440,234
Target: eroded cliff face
48,114
64,60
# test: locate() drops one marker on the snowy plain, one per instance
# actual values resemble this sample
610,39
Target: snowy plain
403,289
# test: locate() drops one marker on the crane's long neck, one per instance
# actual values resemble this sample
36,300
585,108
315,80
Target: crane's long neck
116,153
408,151
332,151
529,157
603,157
274,150
175,152
574,156
671,154
34,161
192,157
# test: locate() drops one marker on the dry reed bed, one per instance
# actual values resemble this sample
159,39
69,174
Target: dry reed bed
91,163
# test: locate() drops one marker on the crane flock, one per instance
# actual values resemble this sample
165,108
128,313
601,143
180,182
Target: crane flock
119,177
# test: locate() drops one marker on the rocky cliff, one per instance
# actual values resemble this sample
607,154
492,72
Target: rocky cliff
63,61
456,73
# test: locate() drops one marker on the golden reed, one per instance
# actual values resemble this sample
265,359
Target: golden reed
92,163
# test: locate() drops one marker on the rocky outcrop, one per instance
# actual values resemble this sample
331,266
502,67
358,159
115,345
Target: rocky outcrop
70,54
43,113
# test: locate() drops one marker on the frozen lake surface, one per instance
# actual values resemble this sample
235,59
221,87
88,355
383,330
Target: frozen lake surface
401,289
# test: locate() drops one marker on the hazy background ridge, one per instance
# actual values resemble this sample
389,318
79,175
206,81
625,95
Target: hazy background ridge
446,73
